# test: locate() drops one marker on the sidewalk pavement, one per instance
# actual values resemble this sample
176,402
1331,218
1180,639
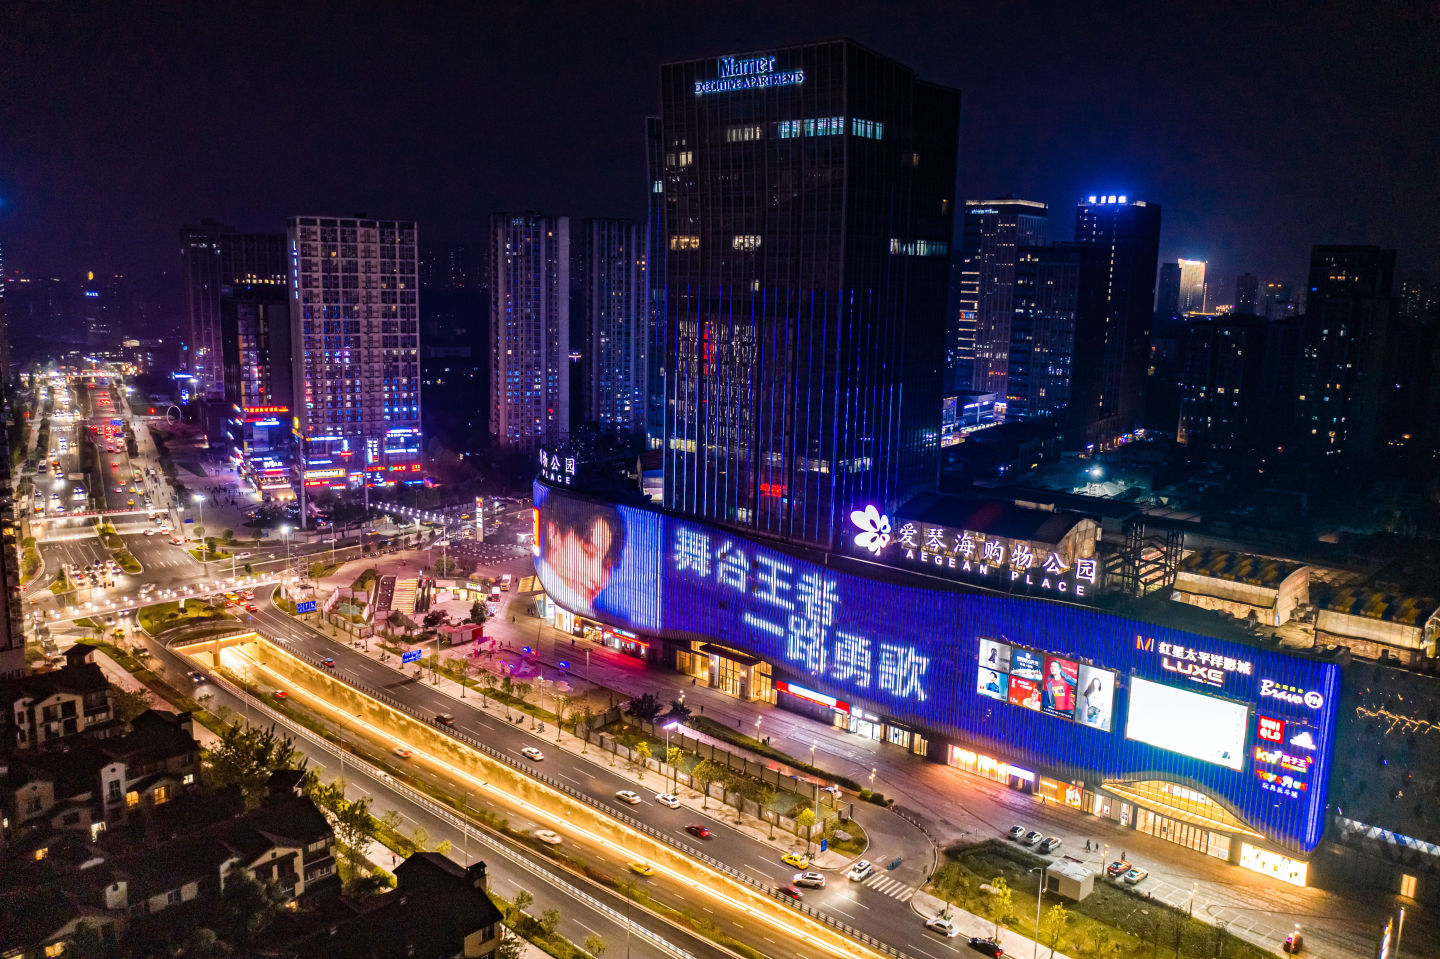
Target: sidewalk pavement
927,907
608,670
648,780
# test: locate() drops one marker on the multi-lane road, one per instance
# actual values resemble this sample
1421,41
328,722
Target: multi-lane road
879,905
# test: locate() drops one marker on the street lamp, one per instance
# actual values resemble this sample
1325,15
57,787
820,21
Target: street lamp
200,499
1039,894
1194,888
669,726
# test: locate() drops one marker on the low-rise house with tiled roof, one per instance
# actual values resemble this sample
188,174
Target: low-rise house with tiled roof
41,709
1375,622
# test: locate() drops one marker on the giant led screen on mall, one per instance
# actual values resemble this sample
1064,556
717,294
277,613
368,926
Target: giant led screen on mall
1042,682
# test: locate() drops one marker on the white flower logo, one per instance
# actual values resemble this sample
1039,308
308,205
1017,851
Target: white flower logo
874,529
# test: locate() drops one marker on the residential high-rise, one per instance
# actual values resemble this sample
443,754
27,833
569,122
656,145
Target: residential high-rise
808,206
214,256
1192,286
1109,403
1279,300
992,232
1057,329
1247,294
1167,294
655,285
1223,358
1348,366
529,279
615,300
259,381
355,333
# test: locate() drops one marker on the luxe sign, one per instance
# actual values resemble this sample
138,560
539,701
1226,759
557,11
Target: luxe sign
753,73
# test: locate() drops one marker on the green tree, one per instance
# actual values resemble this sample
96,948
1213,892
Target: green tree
562,706
202,943
246,756
1002,903
641,756
549,919
130,703
764,796
1052,926
477,613
806,821
589,714
522,693
487,684
673,758
464,667
705,773
518,904
949,882
507,690
645,707
227,534
595,945
354,828
249,906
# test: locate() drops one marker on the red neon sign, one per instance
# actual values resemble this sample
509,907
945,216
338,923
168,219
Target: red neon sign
810,695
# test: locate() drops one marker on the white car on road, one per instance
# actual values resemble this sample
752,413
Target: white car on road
628,795
530,752
668,799
861,870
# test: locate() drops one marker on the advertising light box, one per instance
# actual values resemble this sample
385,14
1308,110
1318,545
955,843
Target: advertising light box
1188,723
1082,694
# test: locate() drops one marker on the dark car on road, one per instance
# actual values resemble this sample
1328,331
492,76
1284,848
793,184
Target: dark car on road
695,829
445,719
986,947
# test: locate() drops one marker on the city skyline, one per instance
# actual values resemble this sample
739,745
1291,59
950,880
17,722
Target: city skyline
83,194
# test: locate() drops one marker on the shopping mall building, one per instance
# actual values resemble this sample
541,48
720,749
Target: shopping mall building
976,634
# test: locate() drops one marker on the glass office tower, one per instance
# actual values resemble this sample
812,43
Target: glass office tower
808,206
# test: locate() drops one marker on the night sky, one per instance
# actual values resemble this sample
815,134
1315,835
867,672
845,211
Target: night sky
1259,133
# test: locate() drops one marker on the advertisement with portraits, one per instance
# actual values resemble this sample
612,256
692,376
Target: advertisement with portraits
1094,705
1026,665
995,655
993,684
1058,688
598,560
1024,692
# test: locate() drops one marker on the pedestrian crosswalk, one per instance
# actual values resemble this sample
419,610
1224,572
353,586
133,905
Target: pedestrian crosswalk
893,888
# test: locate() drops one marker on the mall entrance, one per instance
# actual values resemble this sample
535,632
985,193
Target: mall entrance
727,670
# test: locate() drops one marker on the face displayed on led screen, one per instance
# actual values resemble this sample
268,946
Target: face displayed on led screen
593,559
992,684
1024,692
1057,690
1097,696
995,655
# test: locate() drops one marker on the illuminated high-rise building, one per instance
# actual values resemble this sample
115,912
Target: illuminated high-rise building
992,232
1192,287
1109,401
614,296
355,331
809,206
529,279
1247,294
215,256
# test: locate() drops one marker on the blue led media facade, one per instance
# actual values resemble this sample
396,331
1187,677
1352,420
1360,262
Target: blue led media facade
1087,695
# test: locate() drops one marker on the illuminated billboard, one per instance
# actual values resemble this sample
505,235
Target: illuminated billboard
1055,685
1046,684
1189,723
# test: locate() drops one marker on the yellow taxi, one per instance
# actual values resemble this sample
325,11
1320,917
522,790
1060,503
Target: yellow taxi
797,859
642,868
